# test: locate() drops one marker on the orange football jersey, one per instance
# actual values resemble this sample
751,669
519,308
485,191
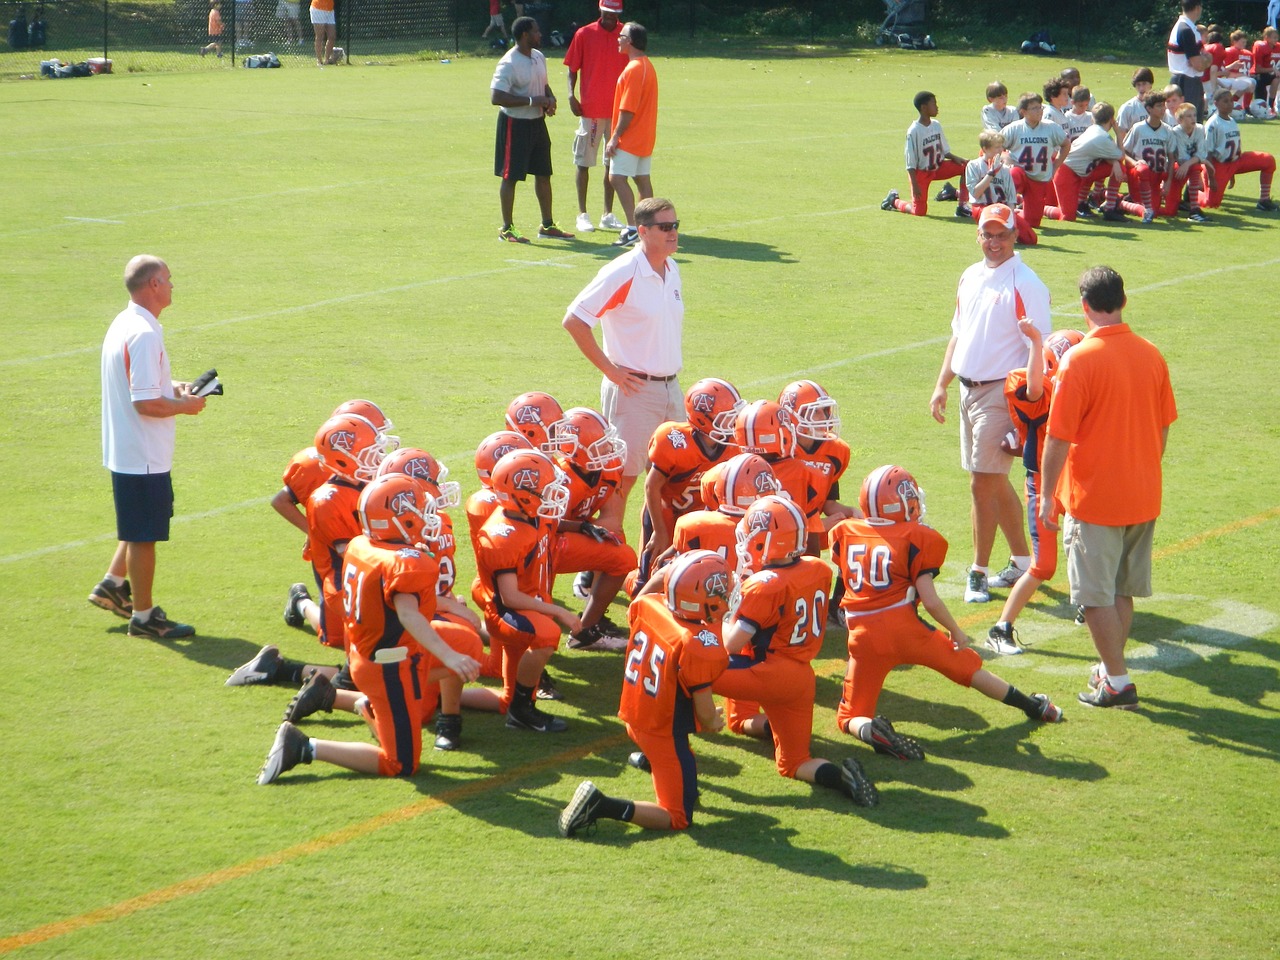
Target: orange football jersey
331,520
1029,416
480,506
826,466
445,548
707,530
372,575
880,562
676,452
513,545
304,475
667,660
788,607
588,491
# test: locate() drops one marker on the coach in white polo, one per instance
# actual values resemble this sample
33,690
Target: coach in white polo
985,346
637,303
139,401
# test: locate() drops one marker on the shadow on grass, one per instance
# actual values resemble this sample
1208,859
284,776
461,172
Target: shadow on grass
724,249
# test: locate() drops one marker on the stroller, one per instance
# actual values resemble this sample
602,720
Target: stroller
904,25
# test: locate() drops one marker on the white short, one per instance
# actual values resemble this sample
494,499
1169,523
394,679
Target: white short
496,21
637,416
586,142
626,164
286,10
323,17
984,420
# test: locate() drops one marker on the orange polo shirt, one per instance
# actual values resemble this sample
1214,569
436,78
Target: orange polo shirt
1112,402
637,93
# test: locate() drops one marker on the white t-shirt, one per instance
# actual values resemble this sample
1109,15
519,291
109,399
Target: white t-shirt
993,119
135,366
989,302
1093,145
926,146
640,313
521,76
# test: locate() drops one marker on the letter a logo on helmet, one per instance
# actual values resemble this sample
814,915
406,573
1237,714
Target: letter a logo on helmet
528,414
343,440
403,503
703,403
526,479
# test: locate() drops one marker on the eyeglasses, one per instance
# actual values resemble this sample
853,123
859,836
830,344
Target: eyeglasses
1002,235
665,227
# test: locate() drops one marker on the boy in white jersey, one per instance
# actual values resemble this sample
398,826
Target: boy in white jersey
1094,159
1132,112
1189,155
1037,146
1080,117
1148,145
989,181
997,114
929,158
1223,150
1057,101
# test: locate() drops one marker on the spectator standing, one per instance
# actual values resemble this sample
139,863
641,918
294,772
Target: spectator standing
635,127
1187,59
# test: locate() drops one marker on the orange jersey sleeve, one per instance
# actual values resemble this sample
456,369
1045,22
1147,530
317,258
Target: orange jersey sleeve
304,475
331,521
788,607
674,451
880,562
667,660
1029,416
513,546
372,576
707,530
480,506
796,480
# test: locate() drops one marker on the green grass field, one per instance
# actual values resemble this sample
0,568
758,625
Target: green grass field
332,234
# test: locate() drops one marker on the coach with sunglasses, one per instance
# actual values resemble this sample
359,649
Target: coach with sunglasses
637,303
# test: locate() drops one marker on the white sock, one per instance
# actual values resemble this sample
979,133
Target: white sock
1120,682
112,579
142,616
977,569
1022,563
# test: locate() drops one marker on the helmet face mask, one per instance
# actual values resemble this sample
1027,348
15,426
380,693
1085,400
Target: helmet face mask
816,415
350,446
699,584
712,406
586,439
397,508
530,483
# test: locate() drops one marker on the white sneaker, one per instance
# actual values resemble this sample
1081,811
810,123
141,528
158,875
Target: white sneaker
976,591
610,222
1004,642
1006,577
584,224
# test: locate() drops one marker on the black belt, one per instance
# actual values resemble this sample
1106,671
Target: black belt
978,383
649,376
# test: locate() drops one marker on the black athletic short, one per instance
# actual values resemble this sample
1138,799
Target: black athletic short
144,506
523,147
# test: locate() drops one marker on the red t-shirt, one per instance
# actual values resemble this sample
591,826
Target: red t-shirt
1263,53
593,55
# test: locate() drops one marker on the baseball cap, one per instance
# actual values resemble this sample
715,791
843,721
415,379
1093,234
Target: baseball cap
611,6
996,213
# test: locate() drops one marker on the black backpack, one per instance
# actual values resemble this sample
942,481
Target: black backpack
18,32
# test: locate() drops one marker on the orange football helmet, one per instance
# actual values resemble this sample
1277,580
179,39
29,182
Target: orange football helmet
698,586
530,482
1055,348
771,532
764,427
711,405
396,508
741,481
373,413
890,493
417,463
587,439
816,415
532,414
350,446
493,448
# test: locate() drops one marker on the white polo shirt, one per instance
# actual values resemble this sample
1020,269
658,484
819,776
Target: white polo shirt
989,302
135,366
640,313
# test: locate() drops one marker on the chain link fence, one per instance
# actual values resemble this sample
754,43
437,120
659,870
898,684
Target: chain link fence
173,35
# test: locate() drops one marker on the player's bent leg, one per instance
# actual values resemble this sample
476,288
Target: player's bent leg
675,779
